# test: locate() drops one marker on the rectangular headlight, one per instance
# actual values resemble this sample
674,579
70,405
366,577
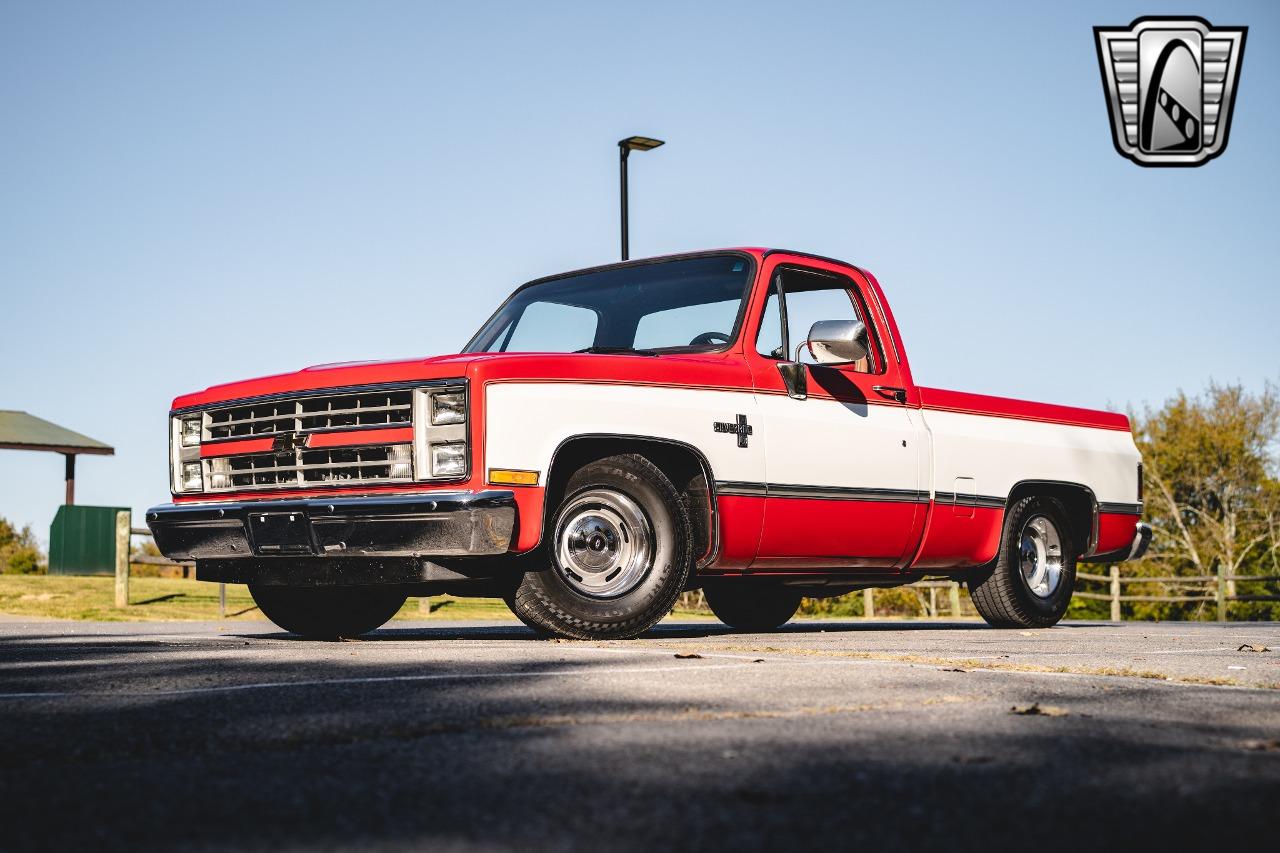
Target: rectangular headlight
192,479
190,429
448,407
448,460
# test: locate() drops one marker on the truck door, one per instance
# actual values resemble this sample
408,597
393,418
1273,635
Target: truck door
842,465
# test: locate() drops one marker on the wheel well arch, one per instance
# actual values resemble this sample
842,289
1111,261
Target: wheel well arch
685,465
1076,498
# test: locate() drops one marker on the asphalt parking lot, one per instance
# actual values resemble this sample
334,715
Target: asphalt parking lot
477,736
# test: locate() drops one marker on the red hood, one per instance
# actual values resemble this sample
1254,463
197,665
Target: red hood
331,376
715,370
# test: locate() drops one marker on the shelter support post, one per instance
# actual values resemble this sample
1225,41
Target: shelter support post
71,479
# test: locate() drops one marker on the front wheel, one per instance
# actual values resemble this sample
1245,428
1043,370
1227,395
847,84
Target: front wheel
620,552
328,612
1031,583
752,607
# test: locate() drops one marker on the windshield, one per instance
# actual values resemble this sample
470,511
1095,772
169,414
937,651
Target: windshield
686,305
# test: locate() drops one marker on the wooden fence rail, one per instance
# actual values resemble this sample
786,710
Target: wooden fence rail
953,598
1215,588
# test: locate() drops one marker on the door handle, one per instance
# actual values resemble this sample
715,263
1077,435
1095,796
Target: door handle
899,394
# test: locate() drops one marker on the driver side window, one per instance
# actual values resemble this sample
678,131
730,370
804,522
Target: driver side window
810,297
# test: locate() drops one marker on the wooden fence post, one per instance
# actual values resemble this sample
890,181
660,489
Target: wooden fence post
1116,615
124,530
933,602
954,593
222,601
868,604
1221,592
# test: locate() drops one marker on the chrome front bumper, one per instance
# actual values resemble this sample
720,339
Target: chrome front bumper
435,524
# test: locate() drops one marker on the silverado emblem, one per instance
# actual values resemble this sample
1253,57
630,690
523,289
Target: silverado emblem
739,427
1170,85
286,443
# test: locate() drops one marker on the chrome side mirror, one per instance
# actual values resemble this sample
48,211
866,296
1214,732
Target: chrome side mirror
838,341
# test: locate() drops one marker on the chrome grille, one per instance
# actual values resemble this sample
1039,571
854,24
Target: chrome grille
389,463
307,414
296,466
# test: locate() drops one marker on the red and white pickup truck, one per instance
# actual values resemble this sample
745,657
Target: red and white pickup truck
744,421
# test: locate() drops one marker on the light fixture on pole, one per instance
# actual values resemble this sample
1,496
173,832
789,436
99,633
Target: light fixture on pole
625,147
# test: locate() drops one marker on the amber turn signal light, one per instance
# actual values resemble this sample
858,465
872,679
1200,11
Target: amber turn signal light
508,477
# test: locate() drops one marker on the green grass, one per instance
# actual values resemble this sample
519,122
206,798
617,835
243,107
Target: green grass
63,597
166,599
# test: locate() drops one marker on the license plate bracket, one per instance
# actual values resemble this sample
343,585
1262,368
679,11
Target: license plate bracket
280,533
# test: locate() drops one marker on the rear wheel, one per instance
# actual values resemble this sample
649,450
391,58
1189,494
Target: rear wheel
1031,583
620,552
752,607
328,612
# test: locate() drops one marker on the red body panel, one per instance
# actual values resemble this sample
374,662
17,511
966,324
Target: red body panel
530,502
954,540
1115,531
740,521
837,534
231,448
330,376
1004,407
357,437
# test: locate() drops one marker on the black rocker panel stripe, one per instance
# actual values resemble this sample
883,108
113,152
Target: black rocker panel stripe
988,501
790,490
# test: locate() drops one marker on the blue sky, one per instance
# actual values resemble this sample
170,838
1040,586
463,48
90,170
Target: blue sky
193,193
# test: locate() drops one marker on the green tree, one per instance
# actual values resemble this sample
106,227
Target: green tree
20,554
1212,495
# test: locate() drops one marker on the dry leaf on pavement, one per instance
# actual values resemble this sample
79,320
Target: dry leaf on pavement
1035,709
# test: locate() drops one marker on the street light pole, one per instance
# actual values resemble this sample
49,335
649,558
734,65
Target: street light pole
623,153
625,147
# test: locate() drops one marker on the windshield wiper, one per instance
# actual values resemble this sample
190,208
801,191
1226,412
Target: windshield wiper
617,351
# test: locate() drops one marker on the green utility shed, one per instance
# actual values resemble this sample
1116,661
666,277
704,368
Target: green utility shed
82,540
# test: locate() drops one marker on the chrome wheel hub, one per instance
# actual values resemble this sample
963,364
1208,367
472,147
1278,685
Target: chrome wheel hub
604,544
1040,556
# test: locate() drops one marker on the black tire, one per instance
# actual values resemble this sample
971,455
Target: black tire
553,603
524,615
752,607
1002,594
328,612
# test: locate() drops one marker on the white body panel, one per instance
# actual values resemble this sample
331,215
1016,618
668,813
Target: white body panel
823,442
997,453
813,442
526,422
